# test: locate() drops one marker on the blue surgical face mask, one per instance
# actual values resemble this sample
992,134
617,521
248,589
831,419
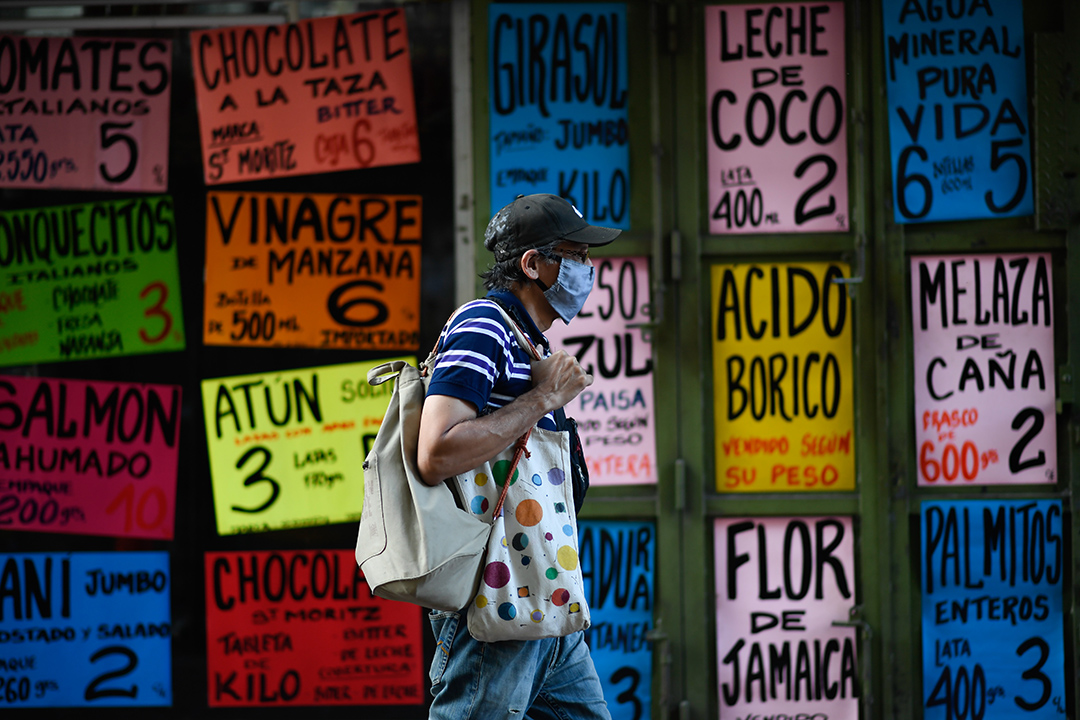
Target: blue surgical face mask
567,296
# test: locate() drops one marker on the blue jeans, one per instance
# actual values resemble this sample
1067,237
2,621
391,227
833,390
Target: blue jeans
549,679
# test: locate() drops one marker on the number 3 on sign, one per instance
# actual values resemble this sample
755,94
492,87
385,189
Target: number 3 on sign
157,309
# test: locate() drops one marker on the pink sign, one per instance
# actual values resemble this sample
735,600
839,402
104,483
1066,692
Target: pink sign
984,369
615,414
85,113
314,96
777,138
92,458
780,584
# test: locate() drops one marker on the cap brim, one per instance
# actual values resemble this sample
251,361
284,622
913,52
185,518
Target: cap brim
593,235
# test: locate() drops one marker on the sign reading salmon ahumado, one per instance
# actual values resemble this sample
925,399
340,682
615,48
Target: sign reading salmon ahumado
309,97
993,629
782,377
93,458
616,414
984,369
85,629
781,582
319,271
301,627
958,121
88,281
558,96
618,565
287,448
776,79
85,113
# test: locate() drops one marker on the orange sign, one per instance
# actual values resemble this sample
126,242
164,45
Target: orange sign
319,271
310,97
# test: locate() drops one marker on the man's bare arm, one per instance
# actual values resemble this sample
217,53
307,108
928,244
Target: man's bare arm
454,440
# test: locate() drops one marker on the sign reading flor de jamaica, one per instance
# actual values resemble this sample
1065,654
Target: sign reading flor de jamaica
301,627
618,565
319,271
309,97
616,415
783,378
993,628
287,448
85,630
91,280
85,113
984,369
777,142
93,458
958,122
781,582
558,97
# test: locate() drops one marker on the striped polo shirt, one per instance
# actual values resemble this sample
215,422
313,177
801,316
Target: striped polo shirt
480,360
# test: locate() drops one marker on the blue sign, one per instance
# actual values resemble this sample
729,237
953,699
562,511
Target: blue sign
618,564
958,122
558,99
85,629
992,609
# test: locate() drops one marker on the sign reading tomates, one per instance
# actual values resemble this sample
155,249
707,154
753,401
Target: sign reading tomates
782,378
319,271
85,113
776,79
309,97
984,369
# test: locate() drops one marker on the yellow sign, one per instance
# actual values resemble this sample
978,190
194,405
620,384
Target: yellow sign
287,448
782,378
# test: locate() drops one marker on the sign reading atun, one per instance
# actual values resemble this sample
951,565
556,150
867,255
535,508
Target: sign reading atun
91,280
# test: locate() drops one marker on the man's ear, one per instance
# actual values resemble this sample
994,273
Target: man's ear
530,264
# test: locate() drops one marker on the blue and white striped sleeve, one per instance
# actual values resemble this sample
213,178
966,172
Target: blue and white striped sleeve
474,352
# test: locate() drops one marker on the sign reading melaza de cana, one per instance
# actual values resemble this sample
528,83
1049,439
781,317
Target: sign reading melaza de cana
318,271
88,281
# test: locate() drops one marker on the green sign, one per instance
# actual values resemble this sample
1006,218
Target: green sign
90,280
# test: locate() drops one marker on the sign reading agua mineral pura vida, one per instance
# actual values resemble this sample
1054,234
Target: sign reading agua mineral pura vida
88,281
993,623
958,120
558,89
780,585
983,336
782,378
318,271
301,627
287,448
616,414
85,629
777,139
310,97
93,458
85,113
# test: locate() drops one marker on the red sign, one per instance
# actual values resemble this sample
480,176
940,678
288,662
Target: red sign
301,627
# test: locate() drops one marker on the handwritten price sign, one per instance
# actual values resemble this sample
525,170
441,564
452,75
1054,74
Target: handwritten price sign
85,113
94,458
319,271
777,138
309,97
85,630
992,609
287,448
616,415
88,281
984,369
309,632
